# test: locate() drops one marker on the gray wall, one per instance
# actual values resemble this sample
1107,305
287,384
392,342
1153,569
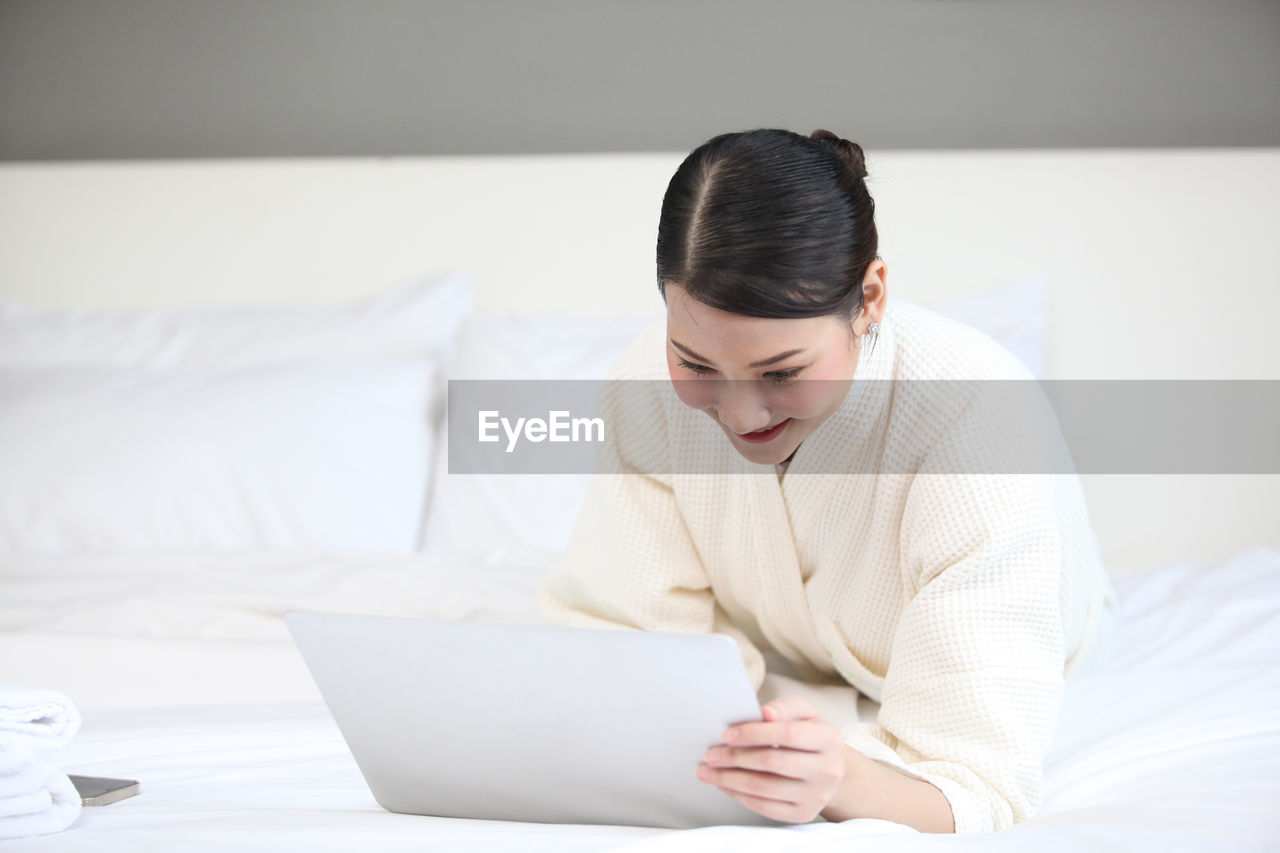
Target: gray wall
86,79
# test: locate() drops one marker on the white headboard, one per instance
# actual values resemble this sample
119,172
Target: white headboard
1161,262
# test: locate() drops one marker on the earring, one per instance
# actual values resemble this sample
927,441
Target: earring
873,332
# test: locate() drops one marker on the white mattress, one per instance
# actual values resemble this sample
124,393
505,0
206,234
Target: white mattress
188,683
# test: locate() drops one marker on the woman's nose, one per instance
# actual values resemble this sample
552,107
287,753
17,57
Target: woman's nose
741,407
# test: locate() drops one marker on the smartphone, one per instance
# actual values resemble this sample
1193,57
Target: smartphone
99,791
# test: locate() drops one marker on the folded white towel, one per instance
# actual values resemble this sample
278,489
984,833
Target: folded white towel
35,798
41,718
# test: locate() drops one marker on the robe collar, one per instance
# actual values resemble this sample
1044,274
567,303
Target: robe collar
844,445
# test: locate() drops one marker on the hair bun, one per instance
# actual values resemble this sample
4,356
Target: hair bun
850,152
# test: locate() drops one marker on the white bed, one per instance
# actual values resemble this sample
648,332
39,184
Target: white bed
168,635
1171,745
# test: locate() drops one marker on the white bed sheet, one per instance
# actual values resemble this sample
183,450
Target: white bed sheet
148,630
1174,744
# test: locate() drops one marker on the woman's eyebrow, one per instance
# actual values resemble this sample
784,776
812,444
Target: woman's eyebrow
777,358
762,363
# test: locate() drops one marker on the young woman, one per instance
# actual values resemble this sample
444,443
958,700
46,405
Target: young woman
788,485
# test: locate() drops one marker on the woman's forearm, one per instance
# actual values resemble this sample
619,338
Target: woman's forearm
874,789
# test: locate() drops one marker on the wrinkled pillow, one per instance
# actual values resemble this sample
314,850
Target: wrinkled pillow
276,427
415,319
325,454
515,515
1015,315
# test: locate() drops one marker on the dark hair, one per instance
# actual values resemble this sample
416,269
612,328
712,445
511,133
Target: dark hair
769,223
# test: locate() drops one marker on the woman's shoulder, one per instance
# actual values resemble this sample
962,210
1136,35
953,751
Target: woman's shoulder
929,345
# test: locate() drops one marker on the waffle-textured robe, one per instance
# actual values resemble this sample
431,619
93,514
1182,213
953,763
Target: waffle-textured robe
959,600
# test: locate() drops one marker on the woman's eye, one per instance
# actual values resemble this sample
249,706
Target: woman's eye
696,368
773,375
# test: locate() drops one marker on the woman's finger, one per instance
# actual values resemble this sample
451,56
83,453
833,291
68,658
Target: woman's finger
763,785
791,763
794,707
775,809
812,735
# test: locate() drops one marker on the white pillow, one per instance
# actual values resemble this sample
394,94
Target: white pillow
187,428
327,454
415,319
1015,315
481,515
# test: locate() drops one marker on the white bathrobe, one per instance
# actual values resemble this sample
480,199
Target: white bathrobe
959,601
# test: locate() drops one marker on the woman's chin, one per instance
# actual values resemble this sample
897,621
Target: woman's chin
763,453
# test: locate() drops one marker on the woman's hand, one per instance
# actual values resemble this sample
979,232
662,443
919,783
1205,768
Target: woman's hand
787,767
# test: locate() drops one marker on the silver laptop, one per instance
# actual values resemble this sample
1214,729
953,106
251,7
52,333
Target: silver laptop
532,722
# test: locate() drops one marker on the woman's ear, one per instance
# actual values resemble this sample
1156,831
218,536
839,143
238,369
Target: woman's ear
874,291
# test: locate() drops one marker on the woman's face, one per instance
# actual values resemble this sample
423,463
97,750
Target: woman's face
753,375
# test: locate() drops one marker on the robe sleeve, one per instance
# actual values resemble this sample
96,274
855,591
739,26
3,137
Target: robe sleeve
631,562
974,686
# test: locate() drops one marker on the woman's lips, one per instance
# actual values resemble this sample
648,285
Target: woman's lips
765,434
